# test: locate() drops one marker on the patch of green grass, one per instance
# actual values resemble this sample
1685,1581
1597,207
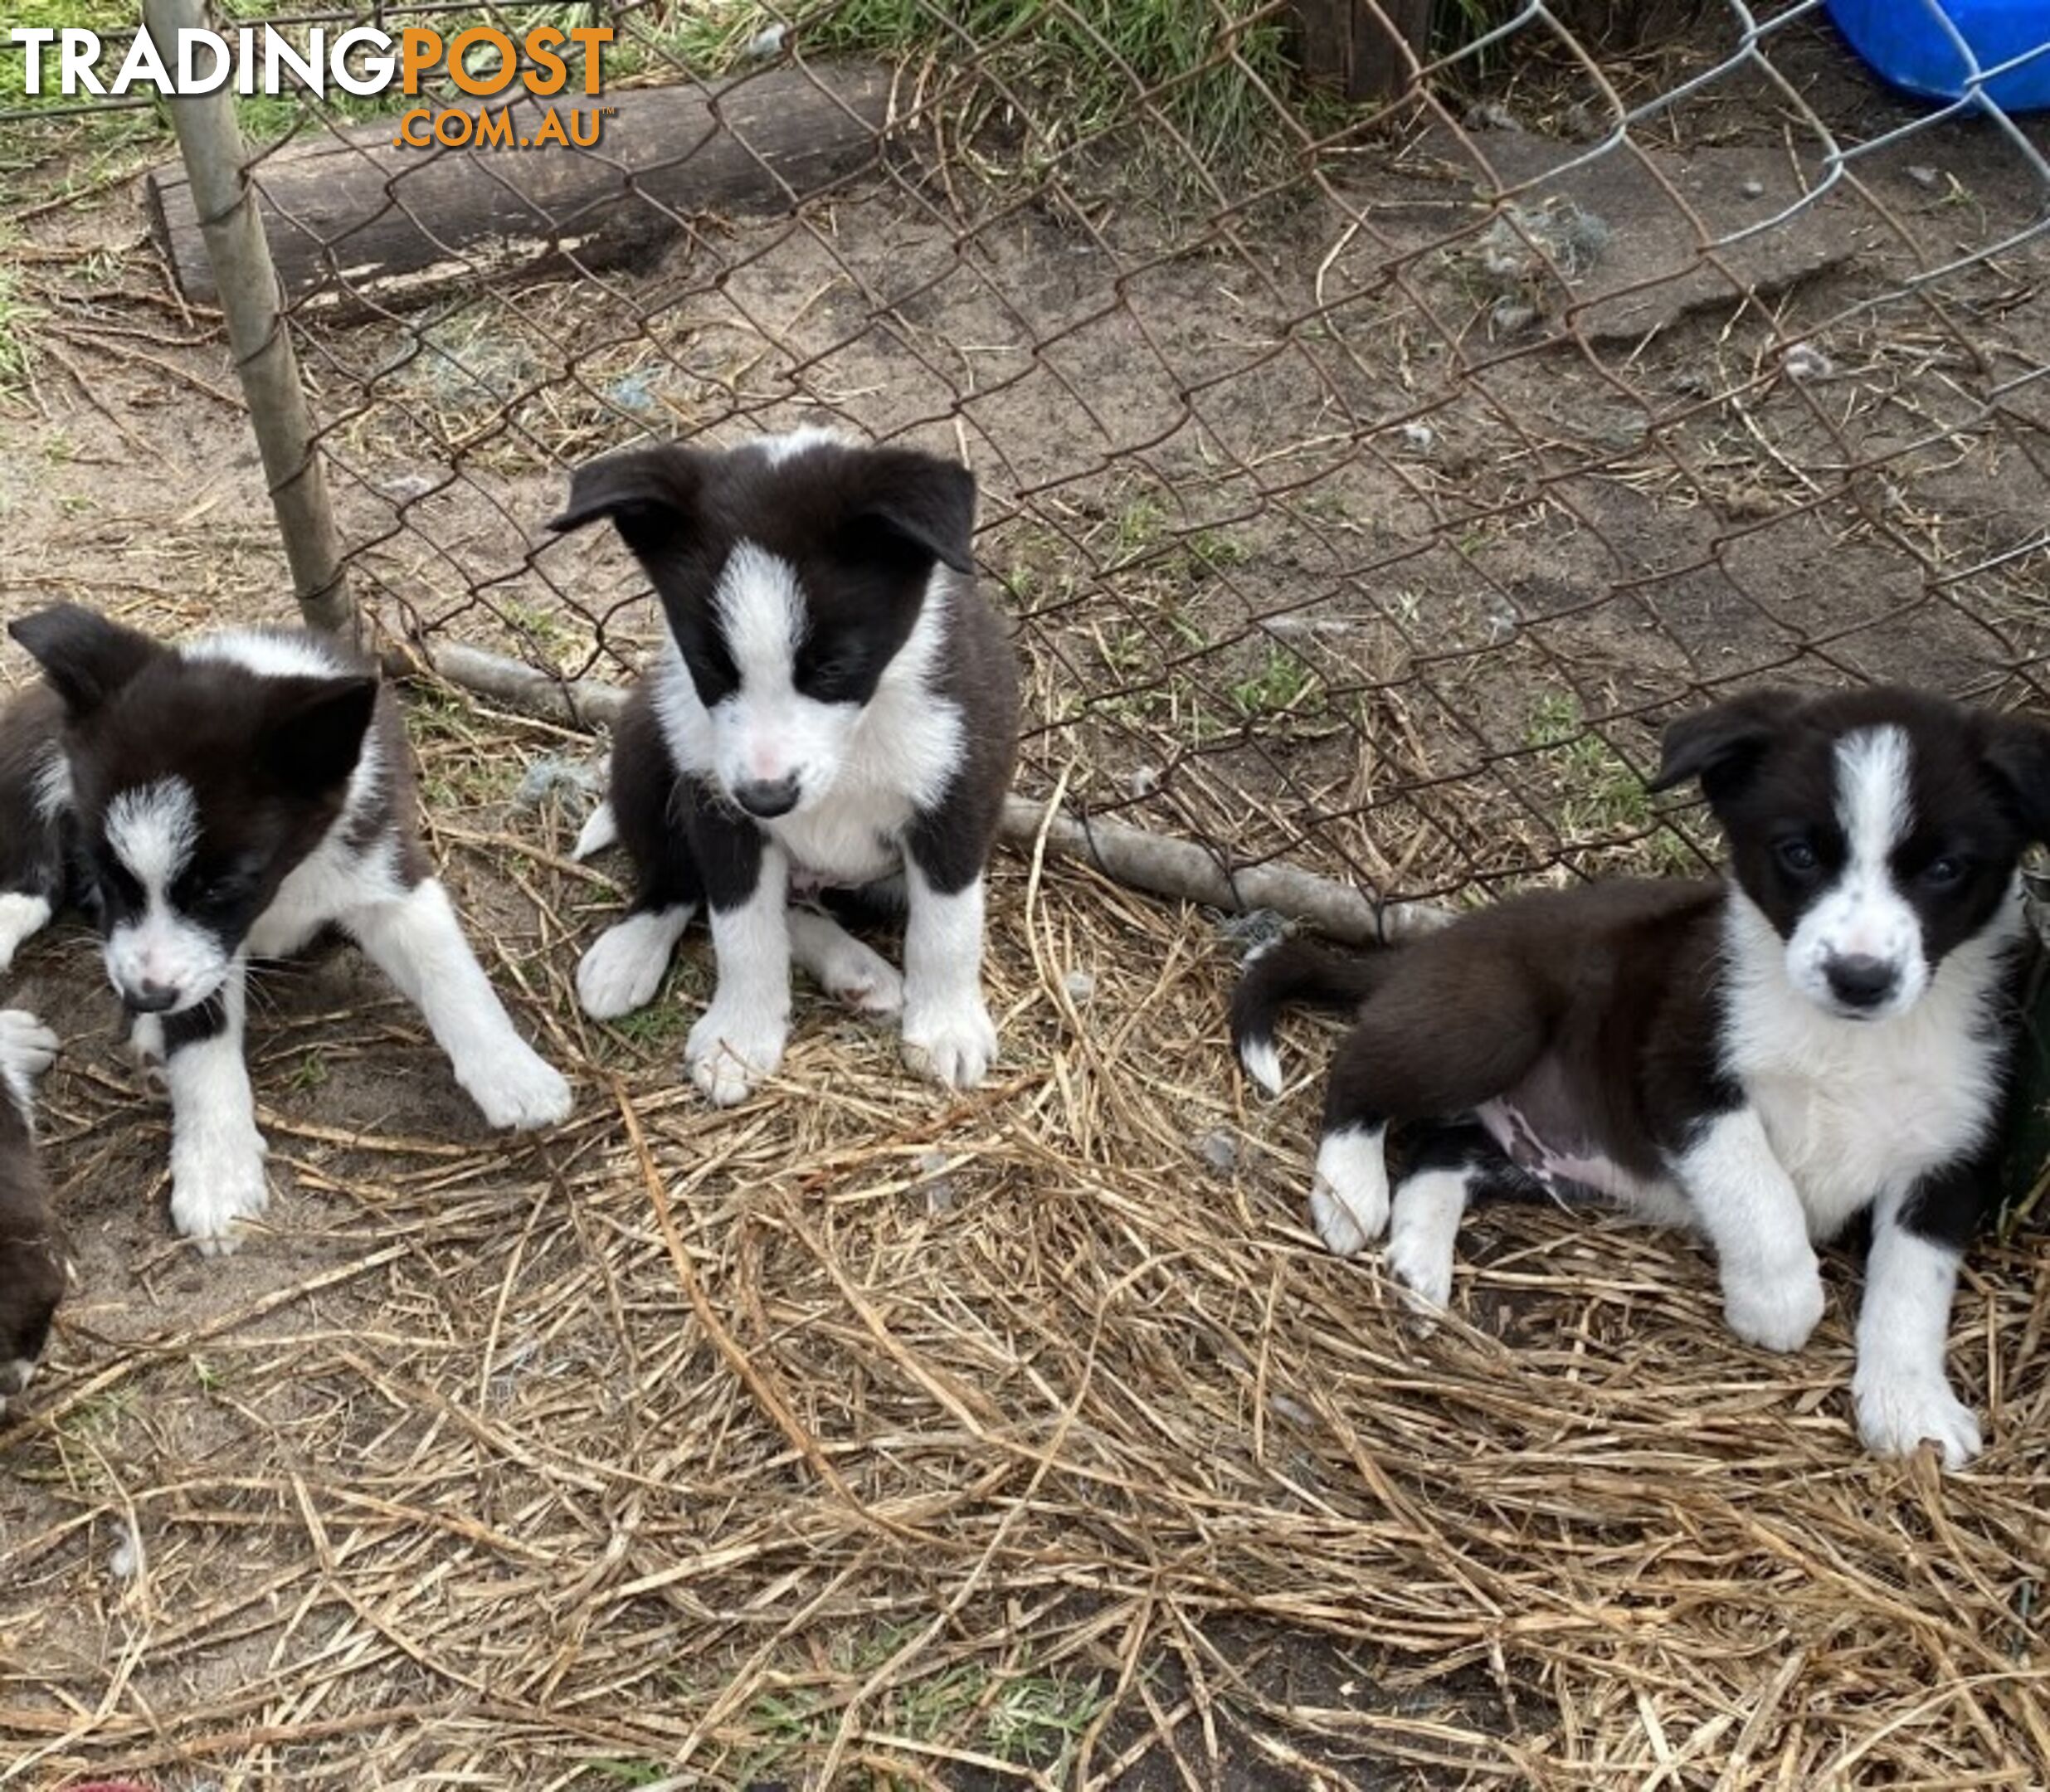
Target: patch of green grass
621,1773
1598,794
1031,1721
310,1072
1279,685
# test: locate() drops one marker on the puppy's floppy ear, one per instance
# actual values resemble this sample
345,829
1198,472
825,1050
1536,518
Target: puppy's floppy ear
1721,744
314,730
2018,754
650,493
86,657
913,505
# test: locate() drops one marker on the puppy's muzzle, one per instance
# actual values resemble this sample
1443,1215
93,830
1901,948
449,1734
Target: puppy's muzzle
149,998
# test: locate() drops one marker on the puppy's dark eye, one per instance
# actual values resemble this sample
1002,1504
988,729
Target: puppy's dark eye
1941,874
1797,856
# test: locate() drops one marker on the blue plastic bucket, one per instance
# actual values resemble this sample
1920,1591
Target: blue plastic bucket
1904,43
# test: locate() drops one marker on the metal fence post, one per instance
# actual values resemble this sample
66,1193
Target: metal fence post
210,143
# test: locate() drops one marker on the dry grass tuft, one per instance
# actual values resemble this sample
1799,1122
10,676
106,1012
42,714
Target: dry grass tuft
869,1436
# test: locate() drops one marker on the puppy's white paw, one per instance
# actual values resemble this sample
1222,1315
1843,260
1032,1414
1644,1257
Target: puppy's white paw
21,915
518,1088
1422,1263
1776,1308
215,1182
1897,1412
623,968
27,1048
729,1052
599,830
1349,1195
954,1043
860,977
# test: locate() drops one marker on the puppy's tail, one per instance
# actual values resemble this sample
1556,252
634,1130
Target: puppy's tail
1290,972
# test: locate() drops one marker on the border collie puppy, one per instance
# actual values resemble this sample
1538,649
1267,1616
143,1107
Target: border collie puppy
835,710
216,802
1828,1034
31,1268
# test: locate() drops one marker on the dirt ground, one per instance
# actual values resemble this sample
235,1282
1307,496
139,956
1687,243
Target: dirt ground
865,1436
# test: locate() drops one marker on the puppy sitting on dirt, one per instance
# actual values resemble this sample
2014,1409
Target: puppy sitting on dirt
1831,1032
835,709
216,802
32,1267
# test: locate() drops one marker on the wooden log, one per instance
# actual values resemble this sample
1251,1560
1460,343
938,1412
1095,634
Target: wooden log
1363,48
357,221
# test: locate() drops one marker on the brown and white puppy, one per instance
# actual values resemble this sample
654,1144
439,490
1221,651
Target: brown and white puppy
1829,1033
31,1265
835,711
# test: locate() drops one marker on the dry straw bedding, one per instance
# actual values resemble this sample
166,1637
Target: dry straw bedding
869,1435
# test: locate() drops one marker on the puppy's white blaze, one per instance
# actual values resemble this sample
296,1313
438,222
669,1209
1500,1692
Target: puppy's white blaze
1902,1392
782,448
1864,913
152,830
21,915
266,654
1423,1230
1263,1064
600,831
759,607
52,784
1349,1193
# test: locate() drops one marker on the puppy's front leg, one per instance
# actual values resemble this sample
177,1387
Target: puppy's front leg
417,941
1747,1204
949,1033
216,1153
1900,1389
738,1040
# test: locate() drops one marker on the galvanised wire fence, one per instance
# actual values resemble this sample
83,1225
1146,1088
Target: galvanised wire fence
1385,415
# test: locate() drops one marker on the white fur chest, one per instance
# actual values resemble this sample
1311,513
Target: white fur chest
1858,1111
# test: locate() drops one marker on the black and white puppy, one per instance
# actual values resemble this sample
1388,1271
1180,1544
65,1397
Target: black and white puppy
1829,1032
31,1265
835,708
219,801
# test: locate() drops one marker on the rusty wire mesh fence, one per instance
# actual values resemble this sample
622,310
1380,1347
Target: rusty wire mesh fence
1368,479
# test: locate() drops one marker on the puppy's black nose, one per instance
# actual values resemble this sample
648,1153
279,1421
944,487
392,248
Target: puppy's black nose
766,799
1861,983
150,998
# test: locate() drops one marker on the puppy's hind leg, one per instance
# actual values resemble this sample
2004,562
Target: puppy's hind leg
1450,1166
1416,1054
847,969
417,941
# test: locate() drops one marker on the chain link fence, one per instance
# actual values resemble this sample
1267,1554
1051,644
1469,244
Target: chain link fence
1370,473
